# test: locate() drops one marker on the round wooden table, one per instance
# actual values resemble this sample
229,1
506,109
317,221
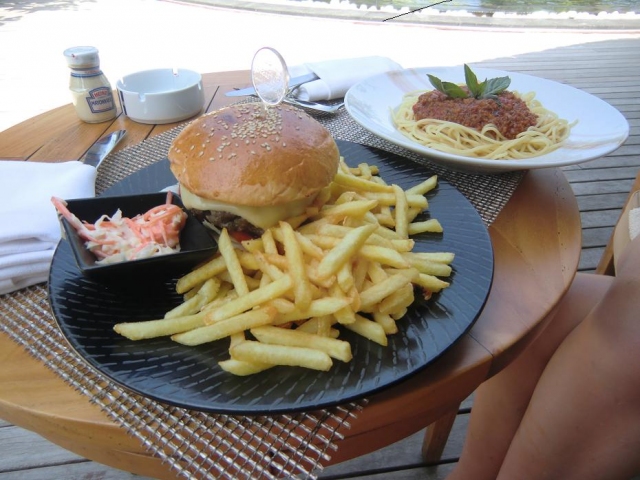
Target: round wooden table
536,240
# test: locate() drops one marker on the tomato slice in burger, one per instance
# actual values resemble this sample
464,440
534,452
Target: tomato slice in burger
240,236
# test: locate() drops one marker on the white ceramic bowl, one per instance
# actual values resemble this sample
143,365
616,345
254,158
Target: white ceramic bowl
162,95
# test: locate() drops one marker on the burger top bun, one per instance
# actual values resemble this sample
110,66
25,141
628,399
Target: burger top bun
250,155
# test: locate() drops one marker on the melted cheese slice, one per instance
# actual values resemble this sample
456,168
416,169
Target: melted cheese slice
263,217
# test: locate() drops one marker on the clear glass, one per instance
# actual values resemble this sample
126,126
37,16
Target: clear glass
269,75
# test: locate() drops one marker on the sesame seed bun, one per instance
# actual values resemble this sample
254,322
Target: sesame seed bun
249,155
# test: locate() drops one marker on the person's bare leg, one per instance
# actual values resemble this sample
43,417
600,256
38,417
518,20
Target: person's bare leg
583,421
500,402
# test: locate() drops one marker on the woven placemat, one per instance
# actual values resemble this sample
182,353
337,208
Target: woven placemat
216,446
193,444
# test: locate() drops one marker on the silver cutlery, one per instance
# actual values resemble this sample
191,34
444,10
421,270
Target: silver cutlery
99,150
320,107
293,84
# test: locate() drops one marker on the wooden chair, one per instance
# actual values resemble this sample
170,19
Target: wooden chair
437,433
606,264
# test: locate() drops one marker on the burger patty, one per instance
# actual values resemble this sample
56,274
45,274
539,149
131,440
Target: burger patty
231,222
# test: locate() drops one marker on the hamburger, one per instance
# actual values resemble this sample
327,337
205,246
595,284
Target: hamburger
246,167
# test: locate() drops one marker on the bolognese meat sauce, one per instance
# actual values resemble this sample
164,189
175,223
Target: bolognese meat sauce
508,113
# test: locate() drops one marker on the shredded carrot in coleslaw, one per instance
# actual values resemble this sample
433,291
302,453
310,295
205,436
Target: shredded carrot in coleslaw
116,238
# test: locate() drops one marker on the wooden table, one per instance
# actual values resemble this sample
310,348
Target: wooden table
536,240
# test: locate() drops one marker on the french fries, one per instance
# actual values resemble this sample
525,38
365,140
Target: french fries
338,349
347,263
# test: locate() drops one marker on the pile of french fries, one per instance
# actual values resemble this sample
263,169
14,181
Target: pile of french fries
282,299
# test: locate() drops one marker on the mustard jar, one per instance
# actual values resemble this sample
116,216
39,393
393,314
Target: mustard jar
91,92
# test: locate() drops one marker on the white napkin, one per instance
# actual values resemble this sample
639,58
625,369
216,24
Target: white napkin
29,226
337,76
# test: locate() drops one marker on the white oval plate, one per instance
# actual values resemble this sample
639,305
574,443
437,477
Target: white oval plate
600,129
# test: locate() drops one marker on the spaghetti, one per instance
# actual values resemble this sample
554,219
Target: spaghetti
488,142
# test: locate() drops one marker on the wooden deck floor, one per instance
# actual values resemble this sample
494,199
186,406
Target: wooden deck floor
609,70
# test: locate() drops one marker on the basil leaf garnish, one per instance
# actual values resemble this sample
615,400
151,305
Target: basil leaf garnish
495,86
488,89
472,82
453,90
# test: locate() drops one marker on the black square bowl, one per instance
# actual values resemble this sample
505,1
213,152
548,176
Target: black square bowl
196,242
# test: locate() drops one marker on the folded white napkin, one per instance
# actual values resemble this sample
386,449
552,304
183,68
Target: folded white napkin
337,76
29,226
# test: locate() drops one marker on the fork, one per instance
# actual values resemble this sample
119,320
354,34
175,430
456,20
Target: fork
321,107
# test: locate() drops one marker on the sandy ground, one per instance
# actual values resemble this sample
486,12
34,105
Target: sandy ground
140,34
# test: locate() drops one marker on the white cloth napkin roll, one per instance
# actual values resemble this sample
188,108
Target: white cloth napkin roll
29,226
337,76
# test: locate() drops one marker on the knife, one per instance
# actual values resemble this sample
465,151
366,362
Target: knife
293,82
101,148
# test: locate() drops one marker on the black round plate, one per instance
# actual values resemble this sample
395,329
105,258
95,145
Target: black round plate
189,377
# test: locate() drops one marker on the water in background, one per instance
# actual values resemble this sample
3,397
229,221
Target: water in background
508,6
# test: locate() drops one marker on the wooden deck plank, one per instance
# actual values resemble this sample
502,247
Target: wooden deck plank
609,172
596,237
606,186
611,161
18,446
403,455
439,472
588,203
599,218
17,459
78,471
